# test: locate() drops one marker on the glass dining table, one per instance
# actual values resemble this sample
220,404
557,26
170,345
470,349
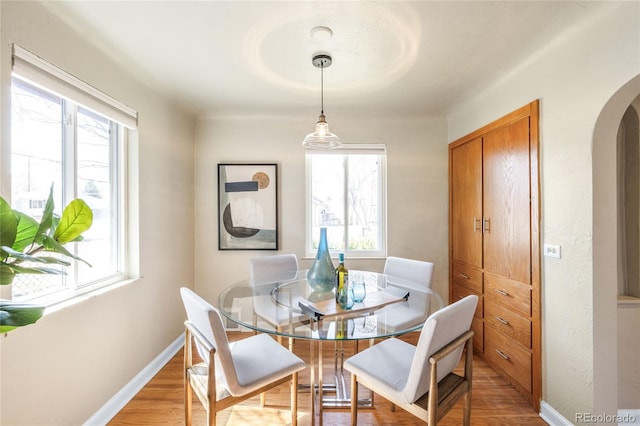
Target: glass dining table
288,308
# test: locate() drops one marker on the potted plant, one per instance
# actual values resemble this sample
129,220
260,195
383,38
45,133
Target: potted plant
26,246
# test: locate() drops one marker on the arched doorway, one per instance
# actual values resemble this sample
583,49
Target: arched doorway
605,248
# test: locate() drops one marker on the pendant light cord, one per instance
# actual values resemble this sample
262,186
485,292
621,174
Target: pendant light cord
322,88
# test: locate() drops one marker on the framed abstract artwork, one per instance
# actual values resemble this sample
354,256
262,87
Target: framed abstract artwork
248,206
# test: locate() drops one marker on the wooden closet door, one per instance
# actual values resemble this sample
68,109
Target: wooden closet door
506,205
466,202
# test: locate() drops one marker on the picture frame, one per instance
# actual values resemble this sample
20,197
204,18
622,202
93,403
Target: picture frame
248,206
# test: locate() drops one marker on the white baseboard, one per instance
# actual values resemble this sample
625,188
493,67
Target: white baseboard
120,399
551,416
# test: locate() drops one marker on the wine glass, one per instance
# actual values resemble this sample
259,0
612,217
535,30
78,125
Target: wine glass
359,291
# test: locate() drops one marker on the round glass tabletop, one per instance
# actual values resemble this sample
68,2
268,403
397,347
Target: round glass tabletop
288,306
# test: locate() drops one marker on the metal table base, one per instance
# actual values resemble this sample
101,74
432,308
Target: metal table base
336,395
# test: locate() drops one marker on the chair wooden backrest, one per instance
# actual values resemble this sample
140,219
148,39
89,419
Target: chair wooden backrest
418,273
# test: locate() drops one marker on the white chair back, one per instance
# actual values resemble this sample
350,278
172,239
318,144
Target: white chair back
269,269
441,328
415,274
208,322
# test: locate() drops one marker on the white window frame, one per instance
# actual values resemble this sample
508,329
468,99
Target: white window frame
39,73
346,149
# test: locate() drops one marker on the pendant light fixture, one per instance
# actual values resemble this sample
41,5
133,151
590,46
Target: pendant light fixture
322,138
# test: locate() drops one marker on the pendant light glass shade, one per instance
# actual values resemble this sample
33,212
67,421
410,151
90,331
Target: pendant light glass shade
321,138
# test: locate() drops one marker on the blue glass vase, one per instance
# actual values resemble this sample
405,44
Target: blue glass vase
321,275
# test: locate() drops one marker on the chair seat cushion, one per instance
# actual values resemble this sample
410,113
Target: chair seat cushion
384,367
259,360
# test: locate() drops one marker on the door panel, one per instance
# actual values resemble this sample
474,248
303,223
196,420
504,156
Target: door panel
466,195
506,189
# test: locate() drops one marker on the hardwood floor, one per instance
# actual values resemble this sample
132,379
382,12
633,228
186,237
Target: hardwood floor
160,402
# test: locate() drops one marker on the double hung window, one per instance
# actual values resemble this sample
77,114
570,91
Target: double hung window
68,136
346,194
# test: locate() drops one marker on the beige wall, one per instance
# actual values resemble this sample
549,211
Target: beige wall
417,188
574,77
64,368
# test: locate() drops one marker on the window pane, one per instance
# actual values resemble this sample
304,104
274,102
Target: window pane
36,164
346,195
36,148
327,177
364,187
94,183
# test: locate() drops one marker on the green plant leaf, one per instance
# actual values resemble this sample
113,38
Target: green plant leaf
47,215
54,260
55,221
8,225
13,314
76,218
19,255
37,270
52,245
18,232
26,231
30,258
7,274
18,269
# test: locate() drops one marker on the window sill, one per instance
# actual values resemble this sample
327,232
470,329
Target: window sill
623,299
78,298
335,258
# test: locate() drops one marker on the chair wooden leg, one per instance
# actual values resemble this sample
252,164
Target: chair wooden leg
354,400
211,412
432,403
263,399
294,399
468,375
466,419
187,402
212,391
185,378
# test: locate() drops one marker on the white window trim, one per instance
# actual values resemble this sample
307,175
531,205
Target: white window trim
373,149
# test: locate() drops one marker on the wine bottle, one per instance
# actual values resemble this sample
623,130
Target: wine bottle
342,280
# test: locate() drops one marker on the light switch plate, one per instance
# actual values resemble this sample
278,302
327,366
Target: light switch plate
551,250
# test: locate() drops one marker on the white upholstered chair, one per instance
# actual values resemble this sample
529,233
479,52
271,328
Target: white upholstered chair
412,273
271,269
420,379
231,372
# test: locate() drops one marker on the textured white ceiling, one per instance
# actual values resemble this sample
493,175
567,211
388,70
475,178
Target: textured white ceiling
237,57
